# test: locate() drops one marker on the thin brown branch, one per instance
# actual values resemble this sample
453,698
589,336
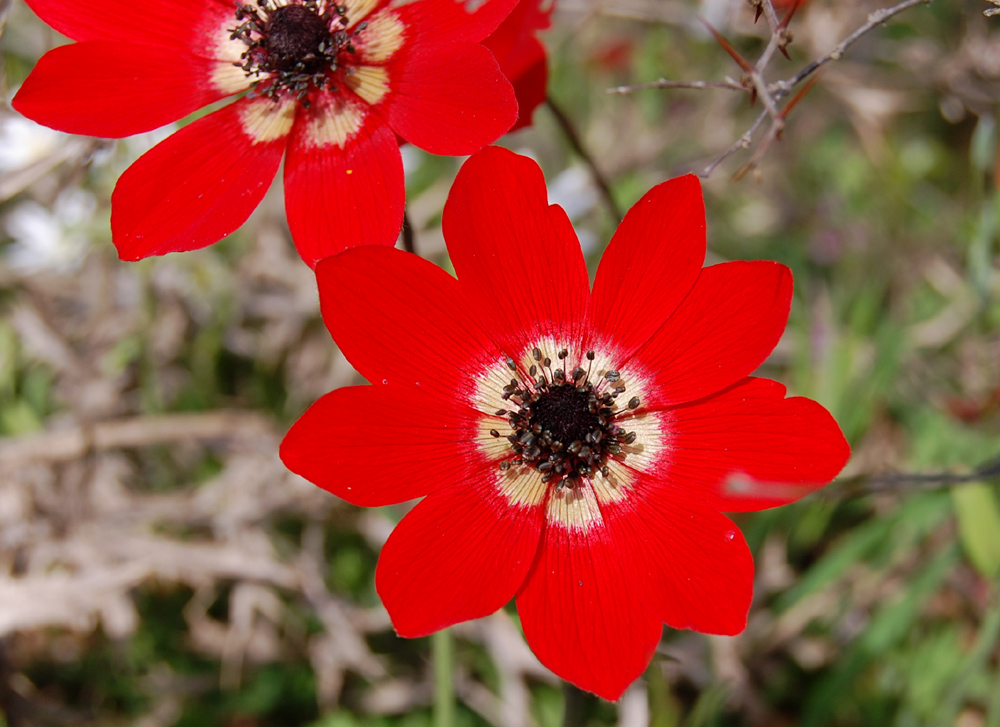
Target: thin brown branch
770,14
742,143
573,137
782,88
778,36
909,482
772,93
875,19
409,241
664,83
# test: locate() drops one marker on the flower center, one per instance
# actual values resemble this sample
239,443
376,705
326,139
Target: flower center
296,47
294,38
565,424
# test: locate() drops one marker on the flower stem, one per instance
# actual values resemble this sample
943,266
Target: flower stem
442,653
573,137
409,241
575,701
663,712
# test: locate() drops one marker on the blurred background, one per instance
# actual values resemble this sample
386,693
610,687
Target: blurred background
159,567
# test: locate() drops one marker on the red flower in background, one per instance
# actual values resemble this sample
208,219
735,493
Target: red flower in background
522,56
328,84
576,447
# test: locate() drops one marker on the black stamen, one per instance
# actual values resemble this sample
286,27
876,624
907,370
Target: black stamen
564,426
292,49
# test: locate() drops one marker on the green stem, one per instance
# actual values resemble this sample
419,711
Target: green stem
663,711
575,701
993,708
443,655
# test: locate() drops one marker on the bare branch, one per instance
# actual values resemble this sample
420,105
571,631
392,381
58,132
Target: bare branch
908,482
566,124
874,20
742,143
772,93
770,14
664,83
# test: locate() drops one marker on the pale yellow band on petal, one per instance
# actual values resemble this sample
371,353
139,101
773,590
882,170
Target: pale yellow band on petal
575,508
494,448
522,486
370,83
230,78
357,10
334,124
382,38
224,48
650,442
616,486
489,389
227,76
265,120
549,347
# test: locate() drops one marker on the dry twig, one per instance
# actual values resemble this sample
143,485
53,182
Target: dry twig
770,94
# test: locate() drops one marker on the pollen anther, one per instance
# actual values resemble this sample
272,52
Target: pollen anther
564,425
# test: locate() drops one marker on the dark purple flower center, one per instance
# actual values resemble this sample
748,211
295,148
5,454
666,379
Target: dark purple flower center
294,40
297,47
564,424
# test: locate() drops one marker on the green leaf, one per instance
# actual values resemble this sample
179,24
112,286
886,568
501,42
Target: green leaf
979,526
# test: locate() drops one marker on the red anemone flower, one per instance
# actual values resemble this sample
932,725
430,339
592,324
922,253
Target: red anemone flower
576,447
522,56
329,84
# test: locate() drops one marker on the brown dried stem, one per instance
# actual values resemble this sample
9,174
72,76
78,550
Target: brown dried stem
771,94
573,137
909,482
664,83
409,241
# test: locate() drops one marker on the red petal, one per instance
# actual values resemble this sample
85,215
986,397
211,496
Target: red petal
402,320
725,328
531,89
514,42
186,25
451,100
195,187
522,57
581,615
516,255
341,195
114,89
749,448
691,567
460,554
447,21
651,263
381,445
